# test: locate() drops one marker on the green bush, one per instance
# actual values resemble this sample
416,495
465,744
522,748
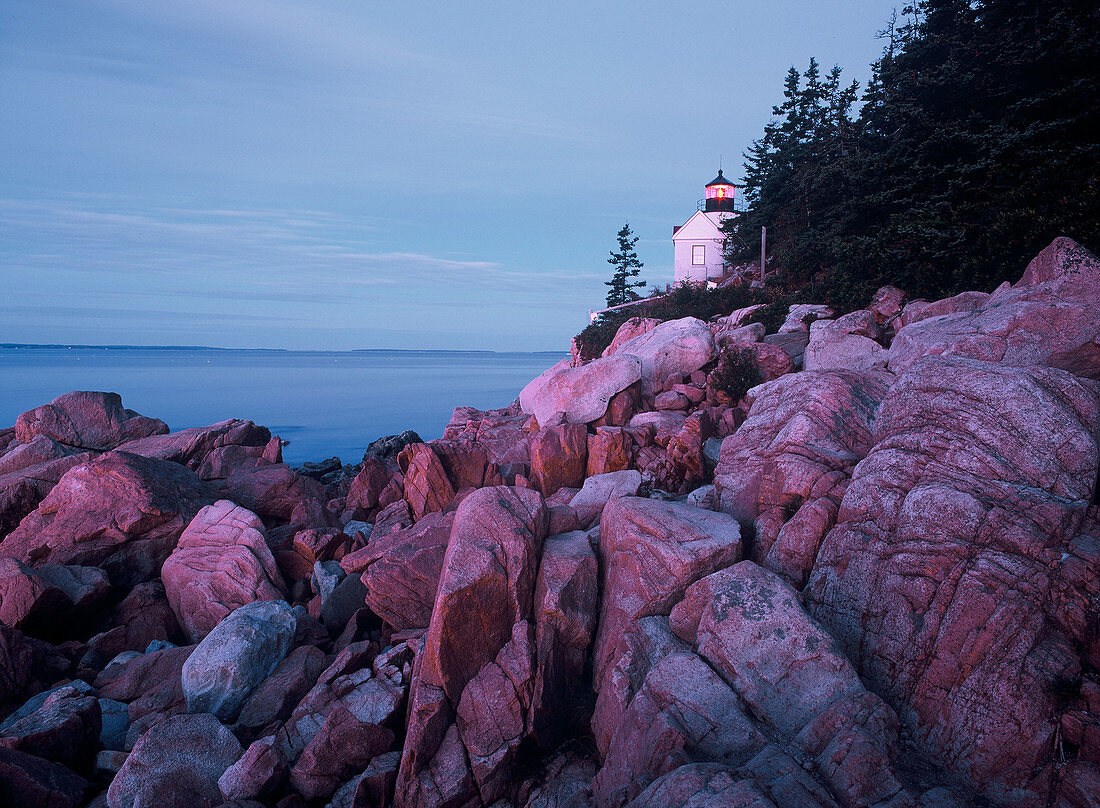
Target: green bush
736,372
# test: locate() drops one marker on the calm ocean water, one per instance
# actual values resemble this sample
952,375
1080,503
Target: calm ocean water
324,403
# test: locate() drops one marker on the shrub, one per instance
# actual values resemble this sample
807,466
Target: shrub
736,372
595,338
772,315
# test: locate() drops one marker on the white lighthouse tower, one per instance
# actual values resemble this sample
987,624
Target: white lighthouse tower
697,243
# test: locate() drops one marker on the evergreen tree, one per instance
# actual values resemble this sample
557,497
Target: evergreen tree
627,266
975,146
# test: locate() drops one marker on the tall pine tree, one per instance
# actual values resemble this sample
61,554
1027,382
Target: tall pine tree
627,266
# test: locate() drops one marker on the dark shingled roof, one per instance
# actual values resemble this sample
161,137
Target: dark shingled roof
719,180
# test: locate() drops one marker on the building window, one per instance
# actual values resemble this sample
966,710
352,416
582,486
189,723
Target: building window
698,255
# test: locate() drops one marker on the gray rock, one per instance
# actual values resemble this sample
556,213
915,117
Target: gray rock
116,721
236,656
175,764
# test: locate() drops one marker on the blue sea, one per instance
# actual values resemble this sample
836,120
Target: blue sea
325,403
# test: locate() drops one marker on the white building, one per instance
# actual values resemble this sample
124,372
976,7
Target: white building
697,243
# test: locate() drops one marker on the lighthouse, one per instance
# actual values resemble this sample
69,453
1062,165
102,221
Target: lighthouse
697,243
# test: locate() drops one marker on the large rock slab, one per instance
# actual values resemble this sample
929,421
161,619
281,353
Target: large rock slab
121,512
580,394
676,346
467,713
86,420
1047,318
237,656
176,764
957,578
803,435
221,562
650,553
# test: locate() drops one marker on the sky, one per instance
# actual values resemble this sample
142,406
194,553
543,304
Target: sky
355,174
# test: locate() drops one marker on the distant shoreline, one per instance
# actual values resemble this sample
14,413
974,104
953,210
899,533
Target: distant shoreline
60,346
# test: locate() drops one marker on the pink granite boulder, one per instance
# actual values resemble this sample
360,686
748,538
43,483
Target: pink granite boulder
121,512
683,712
86,420
401,571
427,488
676,346
800,428
633,327
917,310
276,491
581,394
1047,318
559,456
589,502
23,487
190,447
468,706
221,562
608,450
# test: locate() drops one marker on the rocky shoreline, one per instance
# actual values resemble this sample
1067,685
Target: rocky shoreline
873,580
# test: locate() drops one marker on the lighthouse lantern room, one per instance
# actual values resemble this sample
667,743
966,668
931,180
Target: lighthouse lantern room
697,244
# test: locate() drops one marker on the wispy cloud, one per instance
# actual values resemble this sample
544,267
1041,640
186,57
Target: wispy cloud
260,255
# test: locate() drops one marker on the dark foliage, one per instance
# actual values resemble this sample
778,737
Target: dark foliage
736,372
975,147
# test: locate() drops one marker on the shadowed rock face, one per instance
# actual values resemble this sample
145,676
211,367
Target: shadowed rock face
953,577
